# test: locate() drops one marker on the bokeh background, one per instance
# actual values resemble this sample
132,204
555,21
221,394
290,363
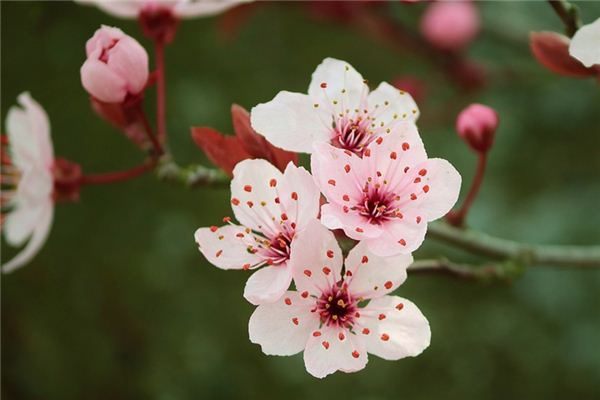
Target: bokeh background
121,305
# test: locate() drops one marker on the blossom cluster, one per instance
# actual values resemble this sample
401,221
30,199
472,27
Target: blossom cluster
371,183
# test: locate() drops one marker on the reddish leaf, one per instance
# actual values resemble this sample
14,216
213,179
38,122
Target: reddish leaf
223,151
256,145
552,51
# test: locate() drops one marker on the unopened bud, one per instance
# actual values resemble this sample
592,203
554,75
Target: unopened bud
116,66
450,25
476,125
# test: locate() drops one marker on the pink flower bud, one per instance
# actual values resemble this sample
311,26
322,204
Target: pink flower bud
477,124
450,25
116,66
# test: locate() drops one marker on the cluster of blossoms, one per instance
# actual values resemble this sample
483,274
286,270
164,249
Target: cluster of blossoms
371,182
380,189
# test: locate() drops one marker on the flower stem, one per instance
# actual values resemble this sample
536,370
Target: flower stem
568,13
159,49
117,176
457,218
148,128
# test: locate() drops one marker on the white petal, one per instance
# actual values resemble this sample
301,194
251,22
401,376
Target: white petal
204,8
343,84
291,121
316,259
442,181
38,238
299,196
268,284
226,247
405,141
374,276
388,105
117,8
335,349
283,329
403,332
254,183
21,222
585,44
28,131
400,236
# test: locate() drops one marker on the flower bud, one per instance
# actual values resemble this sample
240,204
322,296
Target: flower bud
450,25
477,124
116,66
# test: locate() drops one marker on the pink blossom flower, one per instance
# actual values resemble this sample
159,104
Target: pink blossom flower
585,45
179,8
450,25
387,196
116,66
477,125
273,208
326,317
338,110
27,169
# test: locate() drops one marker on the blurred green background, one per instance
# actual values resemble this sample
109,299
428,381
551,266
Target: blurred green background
120,304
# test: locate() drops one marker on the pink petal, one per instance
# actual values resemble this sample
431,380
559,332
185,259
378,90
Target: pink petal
290,121
405,142
329,164
129,60
299,196
334,349
354,225
402,332
373,276
283,328
336,80
254,196
436,191
268,284
400,236
105,84
391,105
316,259
227,247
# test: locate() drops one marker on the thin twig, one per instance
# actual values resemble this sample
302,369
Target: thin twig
488,271
568,13
191,175
116,176
502,249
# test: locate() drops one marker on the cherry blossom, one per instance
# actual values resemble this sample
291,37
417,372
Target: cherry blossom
179,8
387,196
326,317
27,169
338,109
585,45
273,209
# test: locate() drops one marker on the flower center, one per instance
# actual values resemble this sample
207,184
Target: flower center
378,206
336,307
277,250
352,135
